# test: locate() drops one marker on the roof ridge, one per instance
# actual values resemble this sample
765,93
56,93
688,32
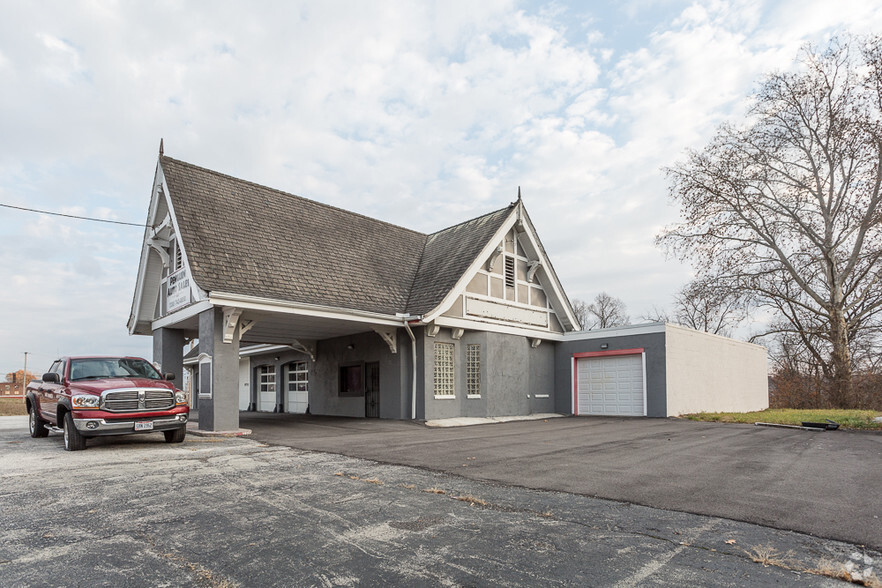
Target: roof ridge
276,190
491,213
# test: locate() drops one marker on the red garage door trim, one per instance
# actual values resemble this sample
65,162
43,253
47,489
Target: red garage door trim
575,372
607,353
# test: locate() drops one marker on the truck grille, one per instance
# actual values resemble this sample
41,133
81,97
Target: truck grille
138,400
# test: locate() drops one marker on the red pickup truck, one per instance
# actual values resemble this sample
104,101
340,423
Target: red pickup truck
94,396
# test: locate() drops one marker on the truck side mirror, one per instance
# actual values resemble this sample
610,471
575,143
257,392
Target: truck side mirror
169,376
51,377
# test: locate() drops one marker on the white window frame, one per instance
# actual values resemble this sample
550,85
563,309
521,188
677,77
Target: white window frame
444,371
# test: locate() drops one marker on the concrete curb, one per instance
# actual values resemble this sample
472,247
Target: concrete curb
469,421
193,429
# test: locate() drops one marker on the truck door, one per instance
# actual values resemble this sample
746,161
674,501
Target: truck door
49,392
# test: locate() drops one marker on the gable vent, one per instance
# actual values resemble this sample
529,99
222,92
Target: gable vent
509,271
179,258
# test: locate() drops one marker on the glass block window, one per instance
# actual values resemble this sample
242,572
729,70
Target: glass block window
444,376
473,370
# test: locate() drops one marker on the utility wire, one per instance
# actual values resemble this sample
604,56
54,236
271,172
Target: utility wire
88,218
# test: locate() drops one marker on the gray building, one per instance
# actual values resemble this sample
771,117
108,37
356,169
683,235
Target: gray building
300,306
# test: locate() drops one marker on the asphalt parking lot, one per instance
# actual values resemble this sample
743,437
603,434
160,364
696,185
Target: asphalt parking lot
823,483
134,511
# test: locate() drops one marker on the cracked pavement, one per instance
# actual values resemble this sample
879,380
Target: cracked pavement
134,511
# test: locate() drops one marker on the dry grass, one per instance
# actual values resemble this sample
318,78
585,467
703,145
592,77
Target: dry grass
547,514
12,407
472,500
434,490
769,556
372,481
838,570
408,486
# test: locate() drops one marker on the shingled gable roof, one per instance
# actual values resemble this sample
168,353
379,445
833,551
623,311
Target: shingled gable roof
247,239
447,256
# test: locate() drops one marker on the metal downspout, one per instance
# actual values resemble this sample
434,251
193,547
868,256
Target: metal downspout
413,369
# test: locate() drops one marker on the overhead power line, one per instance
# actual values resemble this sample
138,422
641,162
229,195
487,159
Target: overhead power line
88,218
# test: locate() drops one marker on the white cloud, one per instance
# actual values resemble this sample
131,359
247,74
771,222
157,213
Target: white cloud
420,113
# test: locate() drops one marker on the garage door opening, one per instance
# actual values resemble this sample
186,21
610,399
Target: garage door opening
610,383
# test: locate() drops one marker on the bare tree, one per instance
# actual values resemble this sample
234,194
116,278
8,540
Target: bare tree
704,307
658,315
580,309
604,312
786,209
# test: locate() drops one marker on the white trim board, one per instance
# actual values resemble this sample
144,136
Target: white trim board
615,332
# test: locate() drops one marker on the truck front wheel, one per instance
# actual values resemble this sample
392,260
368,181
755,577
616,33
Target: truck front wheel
36,425
73,441
176,435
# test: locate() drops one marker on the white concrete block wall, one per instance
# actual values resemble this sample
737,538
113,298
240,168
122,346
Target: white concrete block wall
709,373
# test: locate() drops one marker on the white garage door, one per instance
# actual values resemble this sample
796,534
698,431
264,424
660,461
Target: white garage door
266,388
610,385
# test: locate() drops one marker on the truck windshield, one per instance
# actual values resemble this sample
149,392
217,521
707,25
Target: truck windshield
112,367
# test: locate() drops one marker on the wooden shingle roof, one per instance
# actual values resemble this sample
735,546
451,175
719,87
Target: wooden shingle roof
244,238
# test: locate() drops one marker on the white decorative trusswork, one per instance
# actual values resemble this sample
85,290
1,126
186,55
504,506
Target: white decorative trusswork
534,343
457,333
390,336
493,257
161,247
307,347
231,319
432,329
245,327
532,268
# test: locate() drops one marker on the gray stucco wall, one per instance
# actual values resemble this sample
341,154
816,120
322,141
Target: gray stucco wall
616,339
512,375
331,354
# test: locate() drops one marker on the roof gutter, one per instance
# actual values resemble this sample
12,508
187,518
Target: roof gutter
271,305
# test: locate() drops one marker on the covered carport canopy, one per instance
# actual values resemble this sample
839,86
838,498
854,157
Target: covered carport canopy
270,321
223,322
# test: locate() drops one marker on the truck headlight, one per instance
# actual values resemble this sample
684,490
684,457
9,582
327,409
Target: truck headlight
85,401
181,397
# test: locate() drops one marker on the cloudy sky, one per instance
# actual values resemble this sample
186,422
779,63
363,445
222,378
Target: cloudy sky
422,113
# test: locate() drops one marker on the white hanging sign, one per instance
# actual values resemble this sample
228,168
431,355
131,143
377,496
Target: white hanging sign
178,293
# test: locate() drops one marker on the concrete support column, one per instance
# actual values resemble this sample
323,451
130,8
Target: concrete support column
220,411
280,388
168,352
254,390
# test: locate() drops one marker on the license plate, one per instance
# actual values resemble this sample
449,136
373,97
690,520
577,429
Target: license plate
143,425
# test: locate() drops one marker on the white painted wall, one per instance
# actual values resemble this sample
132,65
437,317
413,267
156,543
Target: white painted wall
709,373
244,382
